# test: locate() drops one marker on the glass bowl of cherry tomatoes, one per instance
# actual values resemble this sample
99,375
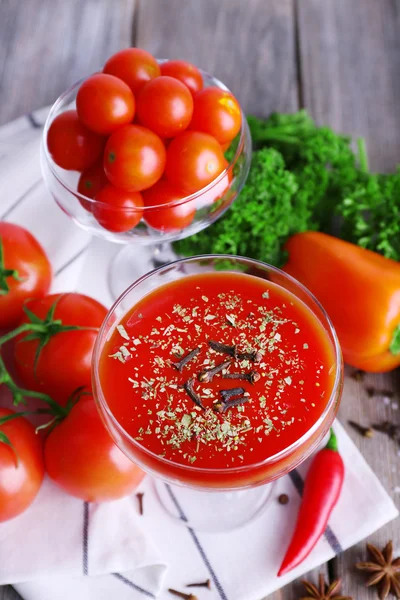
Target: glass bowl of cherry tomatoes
145,152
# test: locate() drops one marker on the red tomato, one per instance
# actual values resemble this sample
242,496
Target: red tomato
118,210
185,72
19,481
64,363
170,218
134,158
71,145
165,106
81,457
194,160
134,66
218,190
216,112
90,183
104,103
25,272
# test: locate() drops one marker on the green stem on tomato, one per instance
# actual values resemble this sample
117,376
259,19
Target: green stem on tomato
5,440
14,416
20,395
6,273
25,328
41,329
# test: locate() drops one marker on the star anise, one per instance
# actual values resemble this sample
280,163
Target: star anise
324,592
384,570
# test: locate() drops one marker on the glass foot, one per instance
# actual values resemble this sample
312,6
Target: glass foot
213,511
133,261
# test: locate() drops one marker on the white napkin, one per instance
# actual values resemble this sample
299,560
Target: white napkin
62,548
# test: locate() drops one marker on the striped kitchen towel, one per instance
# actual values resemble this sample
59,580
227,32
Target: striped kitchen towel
62,548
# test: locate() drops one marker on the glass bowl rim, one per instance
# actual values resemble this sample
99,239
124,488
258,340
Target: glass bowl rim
103,405
243,133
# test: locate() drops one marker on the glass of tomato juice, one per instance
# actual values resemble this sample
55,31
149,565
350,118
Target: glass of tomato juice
217,374
155,224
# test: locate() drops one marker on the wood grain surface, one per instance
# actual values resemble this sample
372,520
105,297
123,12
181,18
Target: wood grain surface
339,59
349,69
46,45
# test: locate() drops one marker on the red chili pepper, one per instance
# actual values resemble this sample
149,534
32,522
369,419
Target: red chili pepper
322,489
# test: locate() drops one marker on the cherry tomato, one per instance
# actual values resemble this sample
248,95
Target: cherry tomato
81,457
185,72
118,210
134,66
165,106
71,145
194,160
104,103
170,218
218,190
25,272
90,183
64,363
134,158
21,469
216,112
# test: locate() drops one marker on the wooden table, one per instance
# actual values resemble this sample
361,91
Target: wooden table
338,58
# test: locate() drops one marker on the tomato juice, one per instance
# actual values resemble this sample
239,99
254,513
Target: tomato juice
214,373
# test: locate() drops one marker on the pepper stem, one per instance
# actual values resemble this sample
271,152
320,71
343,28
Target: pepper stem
395,343
332,442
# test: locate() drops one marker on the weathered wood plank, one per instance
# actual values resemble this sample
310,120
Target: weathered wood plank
350,65
248,45
46,46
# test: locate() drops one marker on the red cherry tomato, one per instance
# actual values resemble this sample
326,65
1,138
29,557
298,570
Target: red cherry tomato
25,272
134,158
134,66
194,160
218,190
81,457
165,106
71,145
216,112
118,210
90,183
104,103
170,218
64,363
185,72
19,481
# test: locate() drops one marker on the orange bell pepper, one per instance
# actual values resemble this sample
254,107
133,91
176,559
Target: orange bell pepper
359,289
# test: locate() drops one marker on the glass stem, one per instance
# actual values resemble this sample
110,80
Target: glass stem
163,254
